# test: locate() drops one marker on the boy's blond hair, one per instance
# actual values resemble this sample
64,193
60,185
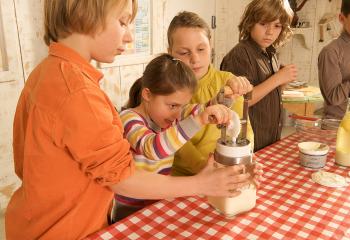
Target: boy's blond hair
265,11
187,20
64,17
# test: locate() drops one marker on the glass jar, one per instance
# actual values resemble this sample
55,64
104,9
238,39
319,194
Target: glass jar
323,130
342,153
229,154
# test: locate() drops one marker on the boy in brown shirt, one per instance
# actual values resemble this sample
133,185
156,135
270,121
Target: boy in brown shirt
263,27
334,69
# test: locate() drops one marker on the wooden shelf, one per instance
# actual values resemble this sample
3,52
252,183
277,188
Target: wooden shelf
306,34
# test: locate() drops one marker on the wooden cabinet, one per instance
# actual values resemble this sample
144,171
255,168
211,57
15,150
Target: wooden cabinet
300,108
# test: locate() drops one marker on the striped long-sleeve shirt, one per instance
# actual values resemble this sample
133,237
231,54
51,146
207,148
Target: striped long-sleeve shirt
153,148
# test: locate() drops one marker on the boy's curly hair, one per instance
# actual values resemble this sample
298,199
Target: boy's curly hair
265,11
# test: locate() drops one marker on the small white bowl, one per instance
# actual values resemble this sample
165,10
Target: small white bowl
313,148
313,154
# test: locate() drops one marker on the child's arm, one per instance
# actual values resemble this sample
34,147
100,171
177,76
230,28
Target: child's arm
210,182
285,75
158,145
240,63
145,141
237,86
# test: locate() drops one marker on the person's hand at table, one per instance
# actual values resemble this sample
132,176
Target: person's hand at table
237,86
225,182
258,173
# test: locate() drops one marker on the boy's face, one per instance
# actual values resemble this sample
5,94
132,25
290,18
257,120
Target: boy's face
345,20
191,45
265,34
165,109
110,41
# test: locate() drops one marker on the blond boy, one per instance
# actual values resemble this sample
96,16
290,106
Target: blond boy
69,150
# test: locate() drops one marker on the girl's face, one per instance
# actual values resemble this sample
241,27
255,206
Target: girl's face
110,41
192,46
165,109
265,34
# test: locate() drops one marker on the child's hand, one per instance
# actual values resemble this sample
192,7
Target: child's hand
258,172
225,182
287,74
237,86
216,114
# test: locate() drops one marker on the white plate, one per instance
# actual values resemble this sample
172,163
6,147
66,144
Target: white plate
329,179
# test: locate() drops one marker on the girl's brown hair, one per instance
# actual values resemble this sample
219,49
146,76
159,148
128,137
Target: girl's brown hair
187,20
265,11
64,17
163,76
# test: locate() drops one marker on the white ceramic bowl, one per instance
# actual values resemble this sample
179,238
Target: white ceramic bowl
313,148
313,154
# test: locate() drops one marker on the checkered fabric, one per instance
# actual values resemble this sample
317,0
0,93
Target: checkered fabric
289,206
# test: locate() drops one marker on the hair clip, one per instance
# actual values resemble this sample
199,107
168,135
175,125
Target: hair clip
175,60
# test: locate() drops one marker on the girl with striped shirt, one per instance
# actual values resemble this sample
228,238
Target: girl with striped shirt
158,119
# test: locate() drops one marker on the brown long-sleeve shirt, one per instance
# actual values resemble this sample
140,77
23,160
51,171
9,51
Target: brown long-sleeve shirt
249,60
334,76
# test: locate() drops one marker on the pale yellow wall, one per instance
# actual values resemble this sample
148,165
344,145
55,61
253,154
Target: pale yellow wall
11,82
1,68
2,46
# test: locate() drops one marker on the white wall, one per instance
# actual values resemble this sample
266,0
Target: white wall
305,57
11,81
228,15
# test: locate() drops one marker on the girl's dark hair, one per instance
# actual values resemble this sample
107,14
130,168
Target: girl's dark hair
345,7
163,76
266,11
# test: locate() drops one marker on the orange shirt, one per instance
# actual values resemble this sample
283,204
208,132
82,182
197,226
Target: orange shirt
68,148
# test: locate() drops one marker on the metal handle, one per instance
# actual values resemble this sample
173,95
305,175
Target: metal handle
230,161
247,97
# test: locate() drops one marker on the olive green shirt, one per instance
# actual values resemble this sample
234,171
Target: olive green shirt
193,156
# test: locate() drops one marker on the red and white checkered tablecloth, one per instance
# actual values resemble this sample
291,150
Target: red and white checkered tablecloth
289,206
